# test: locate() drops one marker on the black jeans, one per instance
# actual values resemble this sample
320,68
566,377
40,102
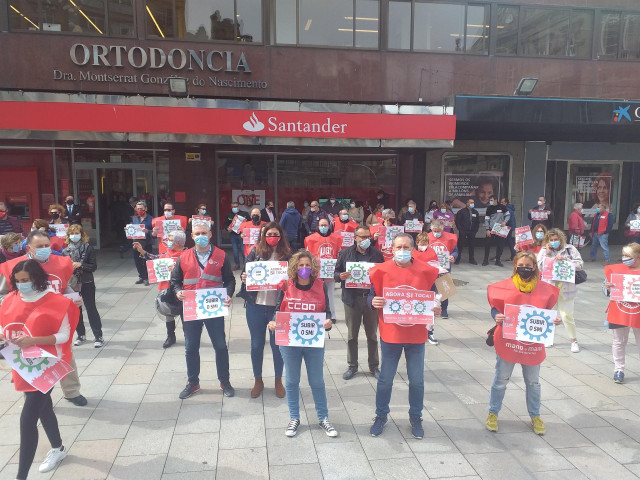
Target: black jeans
141,263
496,240
469,240
88,294
37,406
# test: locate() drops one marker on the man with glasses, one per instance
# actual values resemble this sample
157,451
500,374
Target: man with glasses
314,216
158,226
8,224
356,311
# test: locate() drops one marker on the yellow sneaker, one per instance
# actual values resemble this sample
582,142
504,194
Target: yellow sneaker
492,422
538,426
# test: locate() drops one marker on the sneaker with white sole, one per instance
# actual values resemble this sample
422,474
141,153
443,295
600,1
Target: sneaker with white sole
328,428
575,348
98,343
292,428
432,338
80,340
53,458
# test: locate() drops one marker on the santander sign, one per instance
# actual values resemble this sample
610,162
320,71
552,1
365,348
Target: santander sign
323,126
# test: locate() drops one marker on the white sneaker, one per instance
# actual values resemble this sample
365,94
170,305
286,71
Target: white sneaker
53,458
328,428
575,348
80,340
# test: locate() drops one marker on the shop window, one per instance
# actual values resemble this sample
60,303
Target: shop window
477,29
88,17
205,20
507,30
556,32
476,176
438,27
399,25
336,23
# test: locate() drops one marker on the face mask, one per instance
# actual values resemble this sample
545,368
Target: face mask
15,248
273,241
332,202
555,244
437,234
168,214
43,253
433,207
628,261
323,230
539,235
55,216
269,207
379,197
235,209
353,205
75,237
169,244
306,204
344,218
3,214
201,240
638,210
410,209
69,202
598,210
471,205
203,211
314,209
364,244
304,272
443,210
423,248
140,212
402,256
525,272
491,202
255,219
539,203
26,287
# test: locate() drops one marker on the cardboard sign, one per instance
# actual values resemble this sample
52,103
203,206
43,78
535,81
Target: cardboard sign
42,372
448,223
327,267
200,218
626,288
359,274
634,225
250,235
236,222
263,276
159,270
387,234
558,271
204,303
539,215
500,230
413,226
445,286
442,253
408,306
347,239
523,236
168,226
60,229
135,231
295,329
529,324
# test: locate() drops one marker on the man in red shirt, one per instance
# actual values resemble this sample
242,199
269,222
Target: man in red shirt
343,223
159,231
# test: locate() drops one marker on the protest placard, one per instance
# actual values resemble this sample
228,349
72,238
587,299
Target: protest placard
135,231
327,267
204,303
236,222
41,372
626,288
250,236
347,238
295,329
159,270
413,226
523,236
529,324
500,230
263,276
359,274
408,306
59,228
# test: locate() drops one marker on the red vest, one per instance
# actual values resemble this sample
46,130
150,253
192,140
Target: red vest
622,313
338,226
505,292
249,224
531,248
296,300
603,223
194,278
169,254
424,257
387,250
38,319
388,275
57,267
157,222
447,240
323,247
57,243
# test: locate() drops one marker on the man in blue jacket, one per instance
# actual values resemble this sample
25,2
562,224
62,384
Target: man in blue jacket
290,221
602,225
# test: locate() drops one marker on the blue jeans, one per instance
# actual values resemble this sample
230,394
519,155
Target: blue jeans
258,316
238,248
531,374
314,360
192,334
391,353
601,239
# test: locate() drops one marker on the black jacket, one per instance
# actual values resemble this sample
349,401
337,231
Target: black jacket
87,255
264,216
75,216
466,224
228,280
372,255
231,216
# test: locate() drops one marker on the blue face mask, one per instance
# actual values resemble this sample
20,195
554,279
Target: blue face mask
366,243
169,244
539,235
235,209
323,229
402,256
598,210
201,240
203,211
628,261
437,234
639,210
26,287
306,204
15,248
555,244
43,253
75,237
344,218
471,205
411,209
491,202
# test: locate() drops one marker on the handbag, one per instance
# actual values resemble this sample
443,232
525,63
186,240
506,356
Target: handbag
490,332
581,277
74,281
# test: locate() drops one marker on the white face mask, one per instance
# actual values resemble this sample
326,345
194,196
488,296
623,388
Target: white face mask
423,248
353,205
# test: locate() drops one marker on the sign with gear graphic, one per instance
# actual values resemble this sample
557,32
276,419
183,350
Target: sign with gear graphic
159,270
626,288
204,303
408,306
250,236
529,324
523,236
263,276
387,234
634,225
134,231
42,373
413,226
347,238
564,271
359,274
300,329
327,267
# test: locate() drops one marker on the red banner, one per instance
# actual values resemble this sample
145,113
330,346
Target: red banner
49,116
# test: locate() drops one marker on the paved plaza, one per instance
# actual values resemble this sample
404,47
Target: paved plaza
135,427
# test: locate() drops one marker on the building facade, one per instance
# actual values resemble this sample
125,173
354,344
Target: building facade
301,99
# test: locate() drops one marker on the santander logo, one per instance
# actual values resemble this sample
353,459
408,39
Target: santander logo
253,124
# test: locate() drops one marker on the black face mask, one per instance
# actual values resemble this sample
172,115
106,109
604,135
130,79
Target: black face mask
69,202
525,272
255,219
55,216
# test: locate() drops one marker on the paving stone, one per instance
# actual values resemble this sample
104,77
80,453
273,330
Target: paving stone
498,466
88,460
617,444
346,462
192,452
242,464
595,463
148,438
306,471
283,450
398,469
146,467
242,432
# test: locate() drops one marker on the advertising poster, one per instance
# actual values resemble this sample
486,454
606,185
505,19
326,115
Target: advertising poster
591,185
408,306
263,276
300,329
460,187
248,199
204,303
529,324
